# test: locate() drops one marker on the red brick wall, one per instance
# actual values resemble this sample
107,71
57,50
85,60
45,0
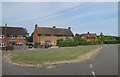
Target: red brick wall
54,38
35,36
23,40
85,38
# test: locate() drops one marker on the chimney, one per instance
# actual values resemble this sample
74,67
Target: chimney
88,33
5,25
54,27
69,28
35,25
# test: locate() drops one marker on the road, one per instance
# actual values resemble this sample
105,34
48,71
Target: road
105,63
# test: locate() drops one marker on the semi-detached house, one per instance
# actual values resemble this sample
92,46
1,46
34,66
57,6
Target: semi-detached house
12,35
51,35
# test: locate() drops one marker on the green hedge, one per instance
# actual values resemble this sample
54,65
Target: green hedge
36,44
96,42
112,42
68,43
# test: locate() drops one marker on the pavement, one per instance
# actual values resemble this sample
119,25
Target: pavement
105,63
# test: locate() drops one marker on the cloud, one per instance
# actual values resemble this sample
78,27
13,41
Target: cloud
91,17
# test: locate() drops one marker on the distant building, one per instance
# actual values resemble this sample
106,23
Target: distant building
13,36
88,36
51,35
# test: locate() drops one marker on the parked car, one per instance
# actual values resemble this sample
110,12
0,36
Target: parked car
30,45
47,45
19,44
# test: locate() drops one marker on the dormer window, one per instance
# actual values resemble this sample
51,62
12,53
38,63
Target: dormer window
19,36
52,36
12,36
42,35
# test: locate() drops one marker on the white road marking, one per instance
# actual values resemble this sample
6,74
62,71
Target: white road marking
91,66
93,73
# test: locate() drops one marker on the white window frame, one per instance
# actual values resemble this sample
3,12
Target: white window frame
19,36
63,36
41,42
2,44
53,42
43,35
52,36
70,36
83,37
2,36
12,36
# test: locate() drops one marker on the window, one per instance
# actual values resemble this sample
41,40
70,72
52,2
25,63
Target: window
42,35
2,36
12,36
70,36
63,36
2,44
82,37
20,36
53,42
52,36
41,42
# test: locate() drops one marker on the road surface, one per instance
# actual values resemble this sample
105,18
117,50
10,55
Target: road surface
105,63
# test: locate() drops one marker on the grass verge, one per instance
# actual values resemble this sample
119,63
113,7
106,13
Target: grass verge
65,55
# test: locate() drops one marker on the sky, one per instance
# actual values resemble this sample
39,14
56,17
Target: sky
82,17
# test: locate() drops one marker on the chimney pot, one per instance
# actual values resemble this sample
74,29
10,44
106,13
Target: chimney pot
6,24
88,33
54,27
69,27
35,25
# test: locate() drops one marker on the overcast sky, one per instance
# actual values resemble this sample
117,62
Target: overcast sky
82,17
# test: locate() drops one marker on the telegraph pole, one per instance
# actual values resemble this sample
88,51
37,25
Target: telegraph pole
5,37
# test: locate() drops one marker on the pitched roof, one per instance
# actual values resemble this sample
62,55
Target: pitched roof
54,31
13,31
90,35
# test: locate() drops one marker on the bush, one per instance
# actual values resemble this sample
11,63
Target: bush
87,42
112,42
68,43
36,44
96,42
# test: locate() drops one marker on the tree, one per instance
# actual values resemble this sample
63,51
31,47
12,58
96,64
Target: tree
27,34
36,44
101,38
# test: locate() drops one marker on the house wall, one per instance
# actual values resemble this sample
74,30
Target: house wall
23,40
49,38
38,38
35,36
85,38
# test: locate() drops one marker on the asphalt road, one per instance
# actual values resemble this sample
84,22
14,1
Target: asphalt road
105,63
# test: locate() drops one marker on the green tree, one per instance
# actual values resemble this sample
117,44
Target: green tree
36,44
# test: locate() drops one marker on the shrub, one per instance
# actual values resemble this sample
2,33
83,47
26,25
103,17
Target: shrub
111,42
68,43
58,41
36,44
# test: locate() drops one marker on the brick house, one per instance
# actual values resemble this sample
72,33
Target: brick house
88,36
51,35
14,36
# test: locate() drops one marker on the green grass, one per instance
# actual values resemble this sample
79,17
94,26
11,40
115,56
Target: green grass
39,57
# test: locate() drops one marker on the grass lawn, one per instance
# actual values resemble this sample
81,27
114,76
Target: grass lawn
45,56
